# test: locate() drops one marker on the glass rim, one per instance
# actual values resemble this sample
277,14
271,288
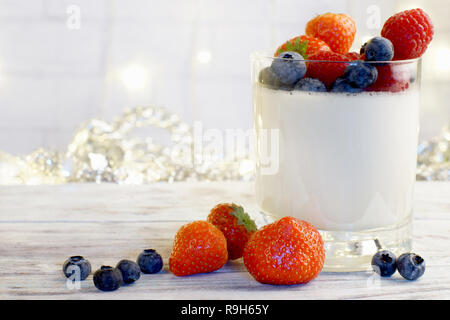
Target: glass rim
264,55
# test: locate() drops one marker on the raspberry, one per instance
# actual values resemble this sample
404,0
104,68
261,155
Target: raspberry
393,78
305,45
327,72
337,30
410,32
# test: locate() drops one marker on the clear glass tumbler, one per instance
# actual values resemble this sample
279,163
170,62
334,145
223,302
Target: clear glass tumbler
345,162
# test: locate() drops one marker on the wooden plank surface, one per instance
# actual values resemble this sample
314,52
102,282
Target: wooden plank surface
40,226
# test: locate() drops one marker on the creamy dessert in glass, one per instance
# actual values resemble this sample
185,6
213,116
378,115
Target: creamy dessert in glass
336,139
346,164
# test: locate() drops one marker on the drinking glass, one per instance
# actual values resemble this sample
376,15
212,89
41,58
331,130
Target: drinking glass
344,162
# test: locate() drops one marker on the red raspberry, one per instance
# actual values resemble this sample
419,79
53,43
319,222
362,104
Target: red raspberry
354,56
327,72
393,78
410,32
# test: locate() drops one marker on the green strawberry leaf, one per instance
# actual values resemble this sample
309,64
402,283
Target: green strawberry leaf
243,218
297,46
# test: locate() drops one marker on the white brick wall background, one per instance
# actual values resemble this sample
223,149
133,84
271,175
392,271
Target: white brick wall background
53,78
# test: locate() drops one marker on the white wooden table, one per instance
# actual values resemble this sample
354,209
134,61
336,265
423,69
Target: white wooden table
41,226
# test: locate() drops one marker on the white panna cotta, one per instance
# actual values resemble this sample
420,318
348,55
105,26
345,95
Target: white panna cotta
346,162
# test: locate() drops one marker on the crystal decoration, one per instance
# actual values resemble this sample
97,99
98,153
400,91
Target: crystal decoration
433,158
102,152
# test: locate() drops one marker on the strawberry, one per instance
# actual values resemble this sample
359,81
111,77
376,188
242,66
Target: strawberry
337,30
235,224
393,78
354,56
327,72
288,251
198,247
410,32
305,45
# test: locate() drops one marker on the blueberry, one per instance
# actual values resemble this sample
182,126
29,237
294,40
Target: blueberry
310,84
107,278
268,78
411,266
360,74
130,271
77,265
384,263
150,261
343,85
378,49
288,67
363,48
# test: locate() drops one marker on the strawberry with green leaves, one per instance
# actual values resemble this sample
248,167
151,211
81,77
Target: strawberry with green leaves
235,224
304,45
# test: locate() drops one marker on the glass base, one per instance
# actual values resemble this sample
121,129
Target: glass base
347,251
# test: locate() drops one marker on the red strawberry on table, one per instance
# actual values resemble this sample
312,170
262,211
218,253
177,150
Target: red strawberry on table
305,45
410,32
288,251
235,224
198,247
327,72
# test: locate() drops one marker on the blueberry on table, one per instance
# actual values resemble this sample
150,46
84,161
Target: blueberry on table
130,271
310,84
107,278
150,261
384,263
288,67
77,265
378,49
360,74
410,266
